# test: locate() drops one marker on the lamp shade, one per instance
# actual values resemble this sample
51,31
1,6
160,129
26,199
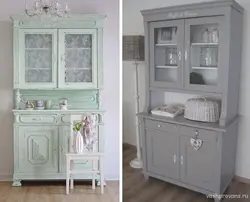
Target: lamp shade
133,48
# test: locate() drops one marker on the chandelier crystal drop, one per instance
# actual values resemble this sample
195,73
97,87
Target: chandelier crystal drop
48,8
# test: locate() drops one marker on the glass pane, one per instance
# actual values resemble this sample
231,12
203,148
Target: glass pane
38,76
204,54
38,58
81,58
166,59
78,64
82,75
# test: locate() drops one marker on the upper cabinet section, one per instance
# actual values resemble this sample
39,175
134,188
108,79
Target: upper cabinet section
166,44
38,49
78,58
60,53
191,47
203,63
187,54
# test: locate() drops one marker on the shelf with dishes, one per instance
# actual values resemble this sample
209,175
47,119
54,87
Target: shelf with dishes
205,44
205,68
164,44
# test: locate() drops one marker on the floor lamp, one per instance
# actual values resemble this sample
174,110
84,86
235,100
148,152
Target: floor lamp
133,50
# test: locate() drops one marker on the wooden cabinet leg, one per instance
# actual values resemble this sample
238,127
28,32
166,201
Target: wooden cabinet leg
16,183
146,177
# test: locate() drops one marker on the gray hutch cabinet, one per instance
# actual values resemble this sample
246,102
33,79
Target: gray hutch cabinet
192,49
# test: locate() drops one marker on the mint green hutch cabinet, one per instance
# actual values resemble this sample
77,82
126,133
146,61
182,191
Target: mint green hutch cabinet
54,58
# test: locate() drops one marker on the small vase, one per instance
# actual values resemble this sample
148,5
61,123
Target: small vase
79,146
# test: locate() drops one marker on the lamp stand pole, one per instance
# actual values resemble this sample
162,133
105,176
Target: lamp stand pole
137,162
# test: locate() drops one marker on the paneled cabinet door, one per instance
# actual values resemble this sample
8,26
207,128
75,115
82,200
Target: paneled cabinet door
200,167
77,58
65,143
162,153
166,53
204,48
38,58
38,149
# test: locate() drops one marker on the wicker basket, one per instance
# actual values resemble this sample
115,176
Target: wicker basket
202,109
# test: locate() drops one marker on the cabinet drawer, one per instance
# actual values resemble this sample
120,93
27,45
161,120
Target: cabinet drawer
157,125
38,118
208,135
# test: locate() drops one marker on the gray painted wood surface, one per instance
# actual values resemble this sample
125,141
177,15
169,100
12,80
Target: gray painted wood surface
228,14
168,154
180,40
221,67
211,168
162,151
137,189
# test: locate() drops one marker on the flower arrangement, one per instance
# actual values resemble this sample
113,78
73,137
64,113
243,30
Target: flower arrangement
89,136
77,126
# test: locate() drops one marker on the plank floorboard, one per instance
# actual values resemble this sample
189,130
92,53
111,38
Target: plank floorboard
56,193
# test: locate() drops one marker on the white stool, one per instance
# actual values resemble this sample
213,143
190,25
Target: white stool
95,157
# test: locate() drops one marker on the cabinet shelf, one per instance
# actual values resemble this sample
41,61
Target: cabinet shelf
78,48
84,68
206,68
204,44
27,69
167,67
38,49
165,44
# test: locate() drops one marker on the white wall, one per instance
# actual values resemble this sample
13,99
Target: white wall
111,80
133,25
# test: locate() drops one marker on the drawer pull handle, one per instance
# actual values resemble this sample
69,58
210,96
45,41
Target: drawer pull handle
159,126
186,55
196,143
181,160
37,119
179,55
174,157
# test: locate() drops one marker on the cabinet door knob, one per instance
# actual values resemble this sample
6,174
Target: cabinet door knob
181,160
179,55
186,55
174,157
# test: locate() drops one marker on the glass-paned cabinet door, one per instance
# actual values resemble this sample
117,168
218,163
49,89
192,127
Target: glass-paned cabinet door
78,58
203,66
38,58
166,40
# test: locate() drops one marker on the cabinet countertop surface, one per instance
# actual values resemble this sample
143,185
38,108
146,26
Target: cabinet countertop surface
185,122
59,110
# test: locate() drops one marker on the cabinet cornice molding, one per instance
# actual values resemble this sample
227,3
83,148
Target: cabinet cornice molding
194,6
75,21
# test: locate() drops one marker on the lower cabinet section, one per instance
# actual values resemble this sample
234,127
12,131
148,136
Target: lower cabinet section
200,167
162,152
195,158
39,153
38,149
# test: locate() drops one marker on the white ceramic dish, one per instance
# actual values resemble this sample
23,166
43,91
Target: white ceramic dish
39,108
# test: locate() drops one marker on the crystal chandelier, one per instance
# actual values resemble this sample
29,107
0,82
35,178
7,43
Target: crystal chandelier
49,8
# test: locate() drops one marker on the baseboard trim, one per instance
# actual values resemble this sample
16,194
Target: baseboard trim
242,179
8,178
5,177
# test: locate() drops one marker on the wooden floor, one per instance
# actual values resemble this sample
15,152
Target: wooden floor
137,189
56,193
